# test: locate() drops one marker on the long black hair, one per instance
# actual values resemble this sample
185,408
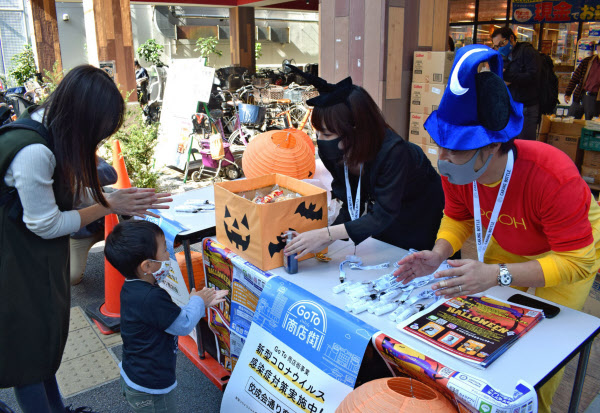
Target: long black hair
85,109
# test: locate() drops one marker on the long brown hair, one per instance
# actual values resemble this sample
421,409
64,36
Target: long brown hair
358,121
85,109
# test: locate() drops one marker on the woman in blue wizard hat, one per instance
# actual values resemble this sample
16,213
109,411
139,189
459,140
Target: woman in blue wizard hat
535,220
388,187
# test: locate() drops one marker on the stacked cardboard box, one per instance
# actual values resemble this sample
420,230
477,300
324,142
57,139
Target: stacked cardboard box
590,170
432,67
431,71
425,97
564,136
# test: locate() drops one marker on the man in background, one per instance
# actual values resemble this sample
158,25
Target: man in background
141,80
522,66
584,85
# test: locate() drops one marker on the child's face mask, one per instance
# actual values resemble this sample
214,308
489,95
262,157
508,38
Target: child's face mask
163,271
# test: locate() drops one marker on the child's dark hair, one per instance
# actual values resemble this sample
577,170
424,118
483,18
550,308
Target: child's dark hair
130,243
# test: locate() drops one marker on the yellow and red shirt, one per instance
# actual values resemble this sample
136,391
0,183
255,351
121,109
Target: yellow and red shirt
548,214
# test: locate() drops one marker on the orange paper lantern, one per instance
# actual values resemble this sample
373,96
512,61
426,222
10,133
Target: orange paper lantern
288,152
398,395
197,268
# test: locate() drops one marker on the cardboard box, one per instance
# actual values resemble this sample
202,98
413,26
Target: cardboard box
432,152
590,175
425,97
545,125
591,159
432,67
416,131
569,129
253,231
592,304
542,137
569,145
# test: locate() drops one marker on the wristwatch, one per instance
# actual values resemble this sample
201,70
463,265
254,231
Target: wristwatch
504,277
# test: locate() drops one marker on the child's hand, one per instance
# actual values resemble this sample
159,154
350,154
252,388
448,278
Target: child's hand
210,296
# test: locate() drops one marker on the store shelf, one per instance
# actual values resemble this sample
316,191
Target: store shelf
210,367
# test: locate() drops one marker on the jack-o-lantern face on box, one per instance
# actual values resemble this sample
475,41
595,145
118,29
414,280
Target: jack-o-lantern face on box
236,234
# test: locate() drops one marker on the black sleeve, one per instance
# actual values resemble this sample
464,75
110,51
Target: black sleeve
107,175
159,309
338,191
390,185
528,68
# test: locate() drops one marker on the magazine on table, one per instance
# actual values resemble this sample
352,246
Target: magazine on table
471,328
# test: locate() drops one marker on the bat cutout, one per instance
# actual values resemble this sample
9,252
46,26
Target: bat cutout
275,248
309,213
236,238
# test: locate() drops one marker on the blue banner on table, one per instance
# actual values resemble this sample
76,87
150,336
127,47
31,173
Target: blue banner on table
557,11
301,355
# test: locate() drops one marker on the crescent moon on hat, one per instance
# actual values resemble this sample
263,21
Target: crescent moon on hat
455,86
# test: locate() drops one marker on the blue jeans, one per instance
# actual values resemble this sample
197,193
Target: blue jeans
142,402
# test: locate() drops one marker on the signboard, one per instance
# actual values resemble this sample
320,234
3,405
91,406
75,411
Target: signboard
188,82
301,354
556,11
174,284
109,67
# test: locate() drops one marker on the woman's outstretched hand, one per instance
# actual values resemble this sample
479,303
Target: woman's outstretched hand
137,201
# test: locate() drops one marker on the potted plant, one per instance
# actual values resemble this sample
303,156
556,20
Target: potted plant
207,46
150,52
23,66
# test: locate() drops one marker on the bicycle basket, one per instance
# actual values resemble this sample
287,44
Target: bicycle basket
309,94
295,95
251,113
274,92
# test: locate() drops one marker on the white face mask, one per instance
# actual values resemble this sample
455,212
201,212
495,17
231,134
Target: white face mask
163,271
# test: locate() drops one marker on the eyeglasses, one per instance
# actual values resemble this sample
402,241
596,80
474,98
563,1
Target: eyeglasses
500,44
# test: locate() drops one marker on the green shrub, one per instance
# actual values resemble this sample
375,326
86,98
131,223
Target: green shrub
257,50
138,141
23,66
151,51
207,46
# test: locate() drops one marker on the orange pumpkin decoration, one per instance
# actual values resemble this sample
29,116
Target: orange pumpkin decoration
288,152
197,268
398,395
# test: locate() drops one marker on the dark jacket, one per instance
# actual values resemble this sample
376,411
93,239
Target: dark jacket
522,71
578,79
35,294
403,194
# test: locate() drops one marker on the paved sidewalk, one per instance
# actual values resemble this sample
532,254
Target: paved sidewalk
89,372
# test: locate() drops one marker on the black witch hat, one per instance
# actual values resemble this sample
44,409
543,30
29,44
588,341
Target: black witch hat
329,94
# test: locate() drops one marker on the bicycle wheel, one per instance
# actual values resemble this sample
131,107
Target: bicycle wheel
238,136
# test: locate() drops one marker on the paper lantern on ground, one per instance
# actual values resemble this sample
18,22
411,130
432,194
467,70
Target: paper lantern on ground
288,152
398,395
197,267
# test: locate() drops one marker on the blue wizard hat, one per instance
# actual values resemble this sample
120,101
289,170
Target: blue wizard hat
476,108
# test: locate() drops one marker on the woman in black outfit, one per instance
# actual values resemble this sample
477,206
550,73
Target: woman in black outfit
400,198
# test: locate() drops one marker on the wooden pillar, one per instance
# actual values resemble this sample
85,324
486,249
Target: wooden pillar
242,37
374,42
45,30
110,40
